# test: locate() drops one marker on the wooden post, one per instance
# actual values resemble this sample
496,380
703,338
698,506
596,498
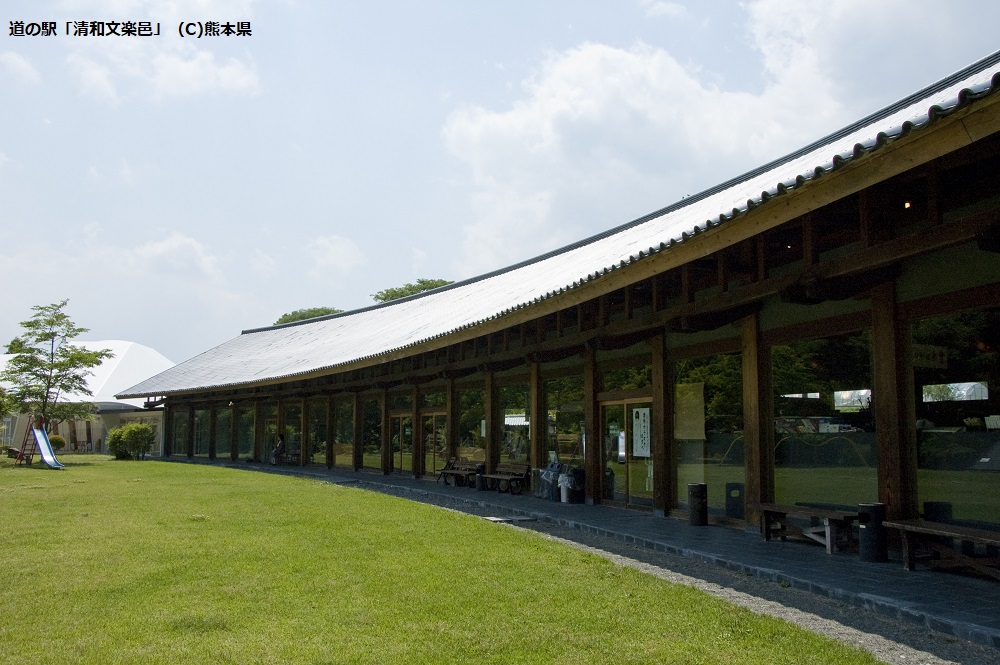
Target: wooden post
258,432
661,426
213,421
168,430
190,439
491,410
893,405
234,433
416,437
385,435
356,414
592,462
758,422
331,429
537,419
303,433
451,419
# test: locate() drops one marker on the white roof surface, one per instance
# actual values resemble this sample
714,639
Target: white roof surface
131,363
268,354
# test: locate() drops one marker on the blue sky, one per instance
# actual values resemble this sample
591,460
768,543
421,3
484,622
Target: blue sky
179,190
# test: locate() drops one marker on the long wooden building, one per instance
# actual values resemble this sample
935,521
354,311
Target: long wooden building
822,330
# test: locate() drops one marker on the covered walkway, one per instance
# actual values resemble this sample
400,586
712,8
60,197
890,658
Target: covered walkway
958,605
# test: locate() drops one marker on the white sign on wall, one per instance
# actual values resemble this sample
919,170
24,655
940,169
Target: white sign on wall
640,432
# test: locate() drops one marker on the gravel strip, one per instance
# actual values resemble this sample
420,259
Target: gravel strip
888,639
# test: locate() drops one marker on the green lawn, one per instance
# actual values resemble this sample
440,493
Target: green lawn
152,562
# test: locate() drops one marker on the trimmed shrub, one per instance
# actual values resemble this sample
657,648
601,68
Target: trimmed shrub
58,443
131,441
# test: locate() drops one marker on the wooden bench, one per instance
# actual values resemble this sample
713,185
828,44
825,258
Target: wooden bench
835,527
462,472
508,477
937,537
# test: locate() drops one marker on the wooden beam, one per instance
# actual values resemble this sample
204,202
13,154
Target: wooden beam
417,439
357,414
331,430
893,406
385,435
536,416
168,430
491,412
758,419
593,461
661,426
810,240
212,422
190,437
451,420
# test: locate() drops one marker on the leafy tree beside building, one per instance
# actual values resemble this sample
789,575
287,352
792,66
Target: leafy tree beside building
46,369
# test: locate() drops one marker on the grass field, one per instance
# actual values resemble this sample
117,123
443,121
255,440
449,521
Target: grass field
153,562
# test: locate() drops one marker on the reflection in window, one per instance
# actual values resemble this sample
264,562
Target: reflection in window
564,405
516,446
708,428
956,358
824,435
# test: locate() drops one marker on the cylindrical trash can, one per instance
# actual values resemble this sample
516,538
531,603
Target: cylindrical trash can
480,482
698,503
872,544
734,500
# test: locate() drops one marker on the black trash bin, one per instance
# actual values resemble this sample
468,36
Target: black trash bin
872,544
609,484
735,505
480,482
698,504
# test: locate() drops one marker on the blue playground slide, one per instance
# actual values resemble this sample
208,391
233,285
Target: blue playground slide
42,439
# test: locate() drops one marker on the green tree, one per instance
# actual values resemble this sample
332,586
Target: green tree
46,368
131,441
421,285
309,313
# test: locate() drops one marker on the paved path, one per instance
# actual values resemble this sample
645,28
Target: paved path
958,605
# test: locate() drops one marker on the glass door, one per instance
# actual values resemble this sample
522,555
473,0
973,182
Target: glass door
401,435
628,471
435,444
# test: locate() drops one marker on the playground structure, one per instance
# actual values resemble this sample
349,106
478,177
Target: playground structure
36,442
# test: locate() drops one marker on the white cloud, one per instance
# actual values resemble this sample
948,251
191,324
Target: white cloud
334,254
93,79
668,9
19,67
176,257
187,74
601,135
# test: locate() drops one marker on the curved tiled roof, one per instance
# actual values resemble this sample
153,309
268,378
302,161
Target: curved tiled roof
316,345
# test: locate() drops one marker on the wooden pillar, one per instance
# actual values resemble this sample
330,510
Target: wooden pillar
491,408
331,429
168,430
234,433
537,418
661,428
359,454
451,419
893,405
416,436
593,459
385,437
758,422
258,432
190,437
304,451
213,421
